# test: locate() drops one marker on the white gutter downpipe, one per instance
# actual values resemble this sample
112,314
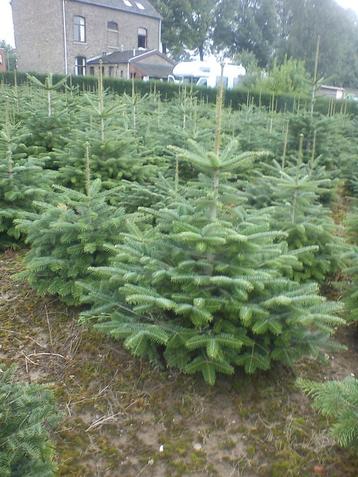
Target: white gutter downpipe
65,36
160,37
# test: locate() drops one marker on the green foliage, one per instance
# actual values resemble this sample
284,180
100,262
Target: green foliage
352,292
113,158
302,21
115,147
22,180
339,401
235,98
242,25
67,235
10,53
294,193
326,137
186,24
202,283
210,268
27,414
290,77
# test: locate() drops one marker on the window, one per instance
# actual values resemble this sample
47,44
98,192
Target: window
110,70
80,66
112,26
139,5
202,82
91,70
142,38
128,3
79,29
112,35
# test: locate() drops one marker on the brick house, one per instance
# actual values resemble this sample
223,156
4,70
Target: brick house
59,36
136,63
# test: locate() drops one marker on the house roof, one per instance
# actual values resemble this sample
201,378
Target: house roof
138,7
132,56
155,71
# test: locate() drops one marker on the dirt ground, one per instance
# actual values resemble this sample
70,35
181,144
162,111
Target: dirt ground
122,418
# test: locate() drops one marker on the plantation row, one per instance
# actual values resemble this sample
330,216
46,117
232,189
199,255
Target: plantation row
199,236
235,98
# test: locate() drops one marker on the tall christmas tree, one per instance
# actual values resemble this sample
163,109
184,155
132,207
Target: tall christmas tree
202,283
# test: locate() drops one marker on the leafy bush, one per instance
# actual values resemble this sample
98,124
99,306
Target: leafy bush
337,400
27,414
290,77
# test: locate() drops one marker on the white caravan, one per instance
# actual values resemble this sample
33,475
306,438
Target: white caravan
207,74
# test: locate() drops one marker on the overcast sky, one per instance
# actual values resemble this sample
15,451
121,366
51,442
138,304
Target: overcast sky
7,34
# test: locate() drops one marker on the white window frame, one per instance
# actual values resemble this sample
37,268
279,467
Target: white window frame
79,29
80,66
143,33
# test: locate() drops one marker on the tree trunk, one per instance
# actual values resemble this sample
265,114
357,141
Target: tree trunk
201,52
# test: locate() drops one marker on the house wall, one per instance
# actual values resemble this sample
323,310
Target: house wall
39,33
99,39
116,71
123,70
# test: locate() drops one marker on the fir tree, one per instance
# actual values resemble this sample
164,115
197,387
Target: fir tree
337,400
201,283
48,120
67,235
331,139
115,148
22,180
27,413
293,191
351,297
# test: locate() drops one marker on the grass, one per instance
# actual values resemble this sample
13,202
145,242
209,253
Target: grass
123,418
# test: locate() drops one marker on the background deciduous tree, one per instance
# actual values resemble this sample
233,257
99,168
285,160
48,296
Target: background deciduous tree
10,53
187,24
271,30
246,25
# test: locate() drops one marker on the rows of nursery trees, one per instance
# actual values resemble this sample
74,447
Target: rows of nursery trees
199,236
256,31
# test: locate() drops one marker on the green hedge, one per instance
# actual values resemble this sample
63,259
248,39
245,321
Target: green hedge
235,98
